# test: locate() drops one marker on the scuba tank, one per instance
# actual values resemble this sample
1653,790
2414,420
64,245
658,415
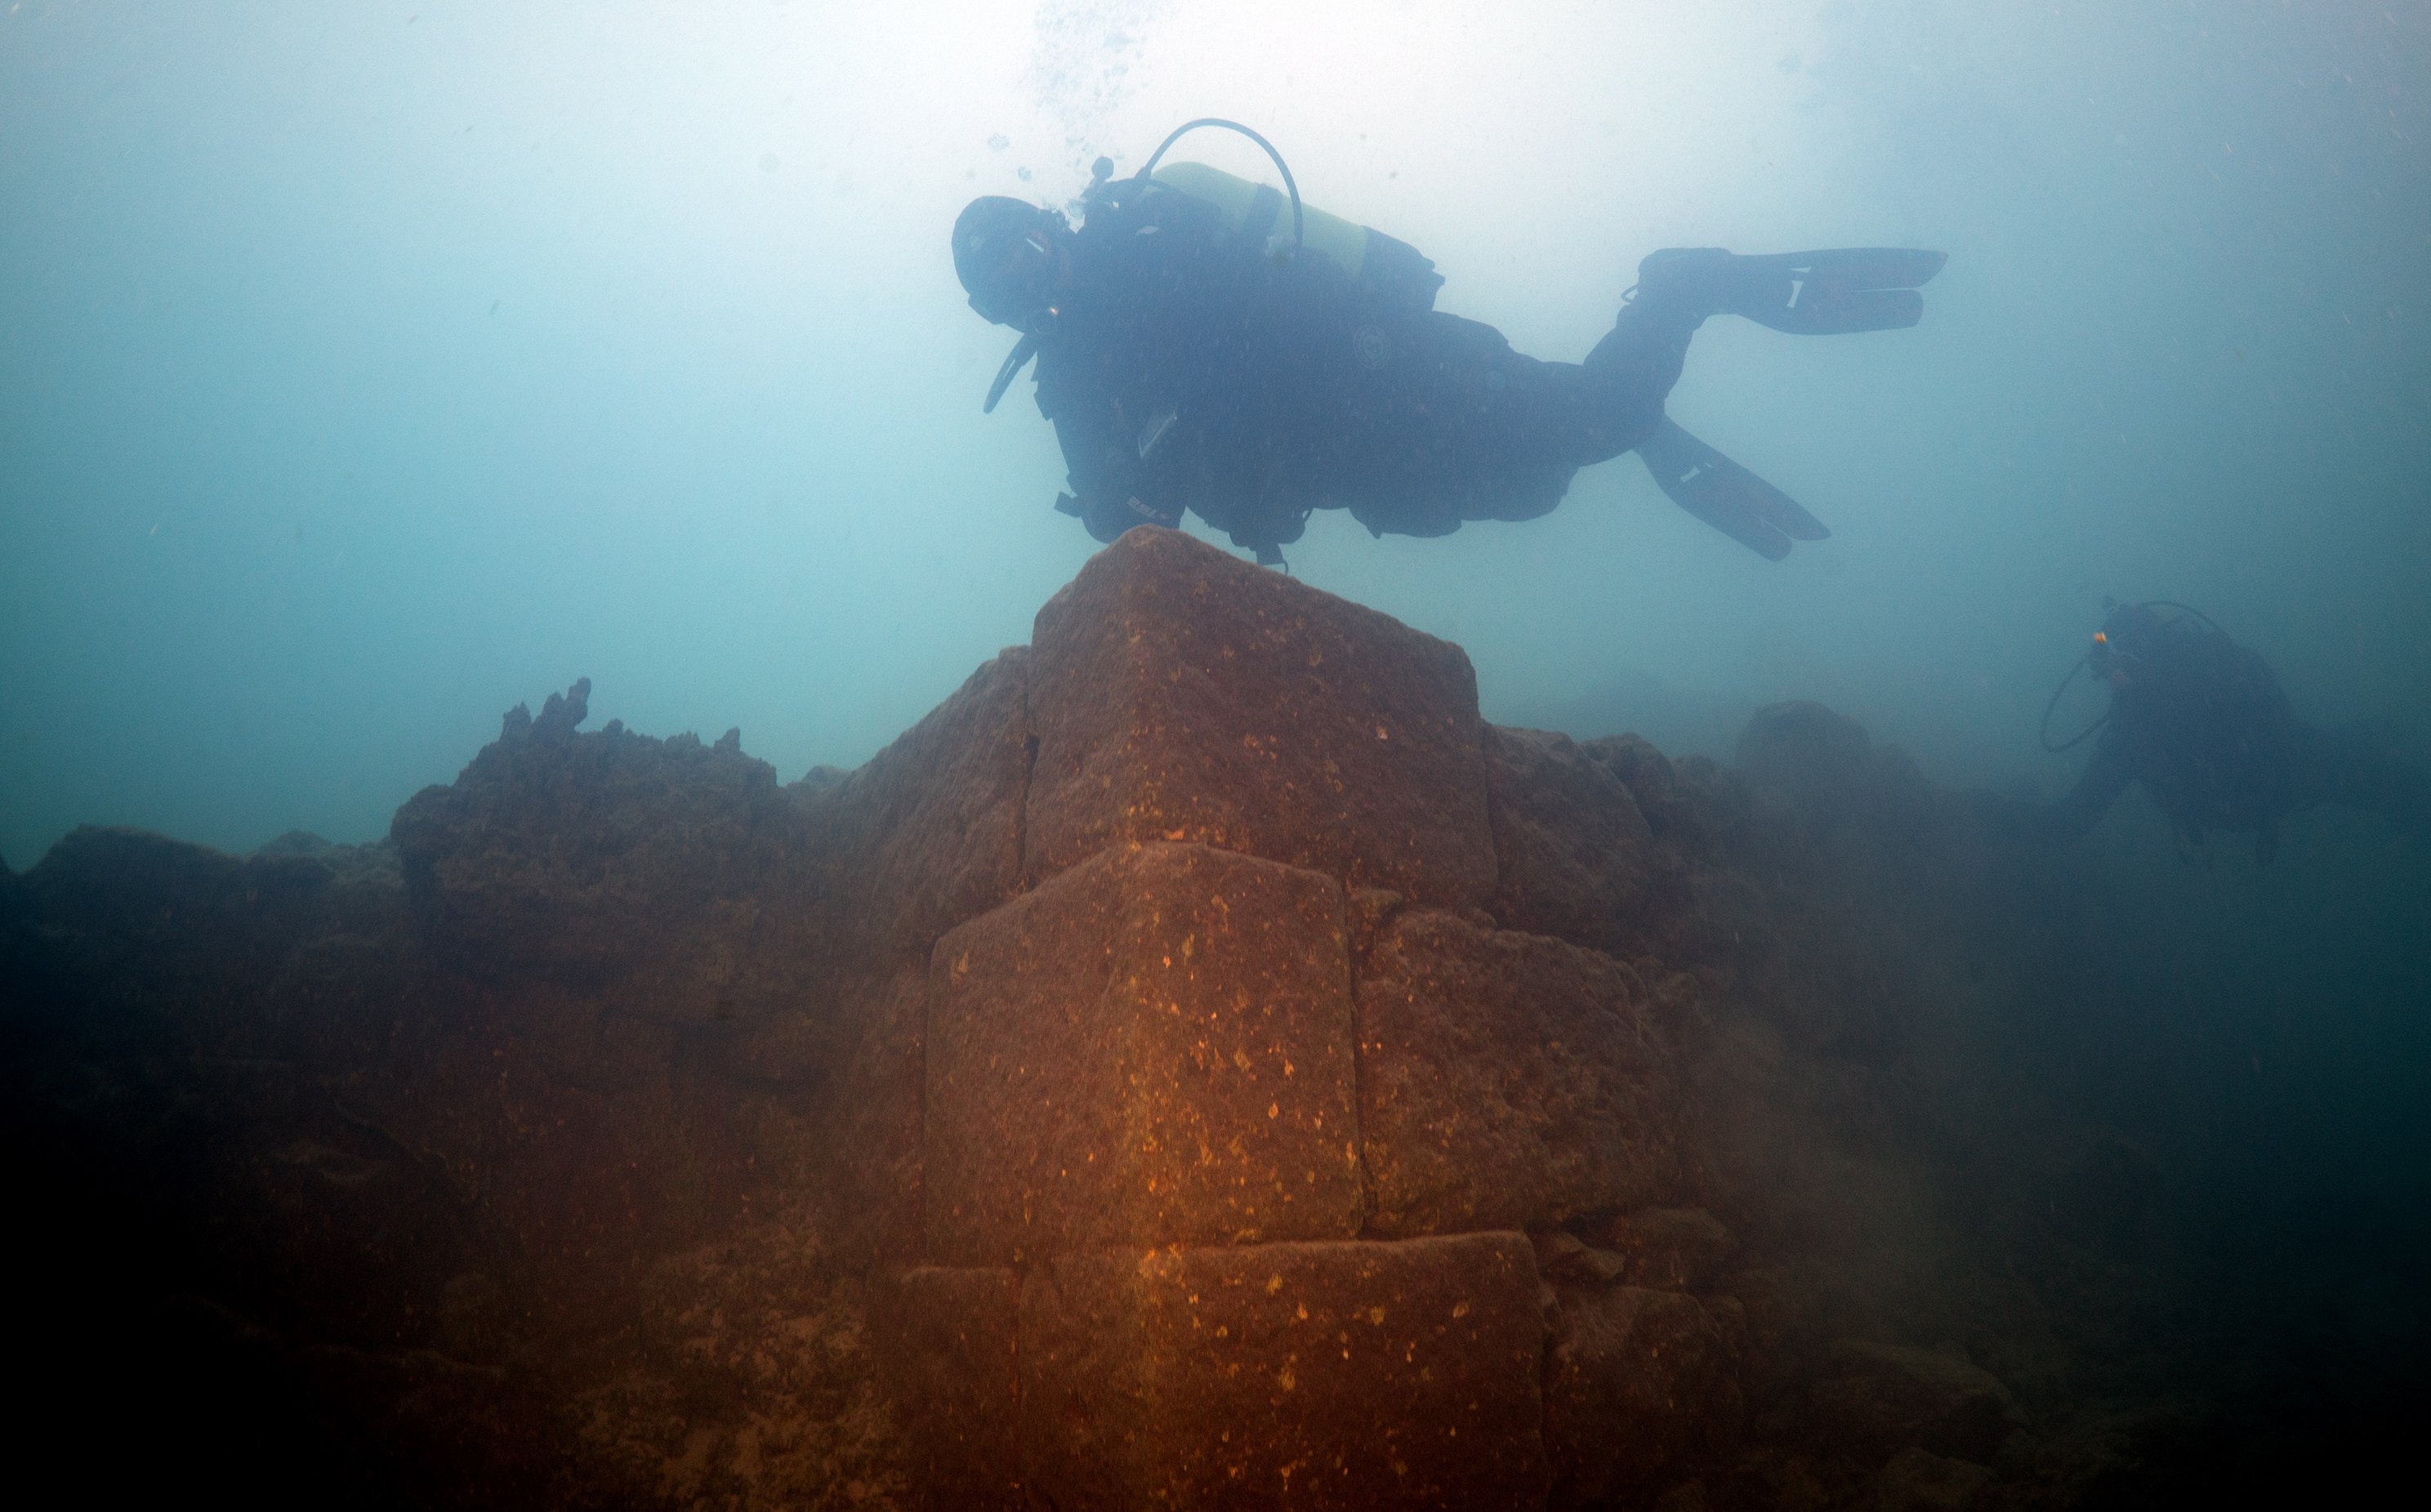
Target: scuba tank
2104,653
1400,273
1392,277
1393,268
1402,278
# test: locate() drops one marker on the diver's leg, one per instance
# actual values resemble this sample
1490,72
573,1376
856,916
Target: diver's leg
1634,366
1832,293
1460,426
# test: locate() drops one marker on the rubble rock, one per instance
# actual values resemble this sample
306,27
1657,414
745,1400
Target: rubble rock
930,831
1638,1384
1671,1249
1918,1479
1649,776
583,856
1562,1257
1577,860
1889,1397
1803,747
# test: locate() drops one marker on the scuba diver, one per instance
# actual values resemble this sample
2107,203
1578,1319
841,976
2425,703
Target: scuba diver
2202,722
1197,352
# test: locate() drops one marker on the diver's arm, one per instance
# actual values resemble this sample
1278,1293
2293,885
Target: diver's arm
1113,488
2105,777
1143,351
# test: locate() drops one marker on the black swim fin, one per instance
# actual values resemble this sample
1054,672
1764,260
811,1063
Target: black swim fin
1832,293
1725,494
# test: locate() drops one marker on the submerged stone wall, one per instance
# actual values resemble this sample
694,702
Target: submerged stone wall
1200,1063
1236,1119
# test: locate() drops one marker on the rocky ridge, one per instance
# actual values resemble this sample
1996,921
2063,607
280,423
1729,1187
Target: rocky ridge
1201,1063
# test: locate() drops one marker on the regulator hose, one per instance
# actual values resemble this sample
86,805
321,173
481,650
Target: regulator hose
1023,350
2043,732
1299,228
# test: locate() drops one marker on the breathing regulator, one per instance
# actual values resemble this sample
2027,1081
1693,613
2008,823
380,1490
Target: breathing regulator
2109,656
1395,273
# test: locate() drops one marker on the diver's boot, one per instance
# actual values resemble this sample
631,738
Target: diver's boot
1831,292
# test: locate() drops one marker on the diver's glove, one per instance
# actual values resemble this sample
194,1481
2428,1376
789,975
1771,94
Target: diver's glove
1108,515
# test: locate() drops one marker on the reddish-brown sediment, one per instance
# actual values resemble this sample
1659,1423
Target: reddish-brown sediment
1202,1064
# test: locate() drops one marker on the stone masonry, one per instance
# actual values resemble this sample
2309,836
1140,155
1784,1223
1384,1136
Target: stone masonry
1235,1117
1200,1063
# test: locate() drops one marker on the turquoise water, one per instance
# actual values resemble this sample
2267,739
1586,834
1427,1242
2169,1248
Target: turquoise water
366,370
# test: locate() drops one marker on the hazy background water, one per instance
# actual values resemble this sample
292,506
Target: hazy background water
366,369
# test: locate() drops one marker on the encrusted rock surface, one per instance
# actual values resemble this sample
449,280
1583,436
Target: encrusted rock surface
1325,1375
1199,1064
1638,1383
958,1366
1578,859
1153,1048
930,833
1181,695
1508,1081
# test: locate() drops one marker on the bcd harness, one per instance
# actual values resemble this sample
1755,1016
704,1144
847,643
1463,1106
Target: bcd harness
1395,275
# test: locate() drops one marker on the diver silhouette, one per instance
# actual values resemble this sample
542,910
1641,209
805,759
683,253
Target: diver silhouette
2202,723
1195,352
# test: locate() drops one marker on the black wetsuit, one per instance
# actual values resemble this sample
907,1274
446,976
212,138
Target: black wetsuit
1187,367
2202,722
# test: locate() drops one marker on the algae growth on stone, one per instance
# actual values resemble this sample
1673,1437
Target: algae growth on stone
1201,1064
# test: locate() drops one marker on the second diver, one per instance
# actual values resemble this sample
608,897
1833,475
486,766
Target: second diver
2202,723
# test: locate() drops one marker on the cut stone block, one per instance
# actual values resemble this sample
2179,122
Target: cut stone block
1154,1047
930,830
871,1128
1181,693
1312,1376
1507,1081
959,1392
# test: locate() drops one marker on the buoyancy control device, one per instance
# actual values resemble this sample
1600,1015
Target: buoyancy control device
1400,278
1388,266
2105,652
1400,275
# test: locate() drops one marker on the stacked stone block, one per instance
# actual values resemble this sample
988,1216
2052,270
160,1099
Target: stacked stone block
1237,1109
